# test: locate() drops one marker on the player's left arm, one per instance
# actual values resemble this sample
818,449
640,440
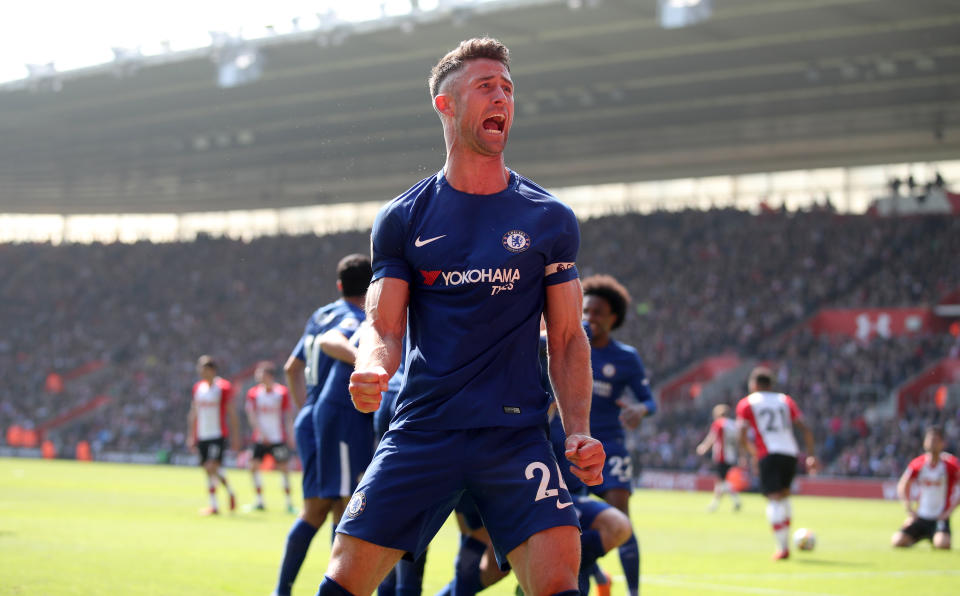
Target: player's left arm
568,362
953,490
233,420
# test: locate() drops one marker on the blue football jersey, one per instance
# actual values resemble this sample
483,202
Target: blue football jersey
616,366
336,389
340,314
477,268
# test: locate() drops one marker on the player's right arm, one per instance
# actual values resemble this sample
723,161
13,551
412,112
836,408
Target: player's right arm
903,489
568,361
744,413
250,407
192,426
381,342
296,382
708,441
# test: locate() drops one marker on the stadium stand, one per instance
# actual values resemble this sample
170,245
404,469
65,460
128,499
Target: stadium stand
737,281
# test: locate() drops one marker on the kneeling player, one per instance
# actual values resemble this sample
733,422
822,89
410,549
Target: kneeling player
268,411
936,474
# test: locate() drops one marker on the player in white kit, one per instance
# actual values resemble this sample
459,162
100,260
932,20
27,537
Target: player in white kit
268,411
722,439
772,416
207,427
936,475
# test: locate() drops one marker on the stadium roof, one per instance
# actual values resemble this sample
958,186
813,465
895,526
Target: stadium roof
603,95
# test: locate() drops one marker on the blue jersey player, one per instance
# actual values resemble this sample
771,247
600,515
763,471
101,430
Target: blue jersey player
616,368
465,263
324,340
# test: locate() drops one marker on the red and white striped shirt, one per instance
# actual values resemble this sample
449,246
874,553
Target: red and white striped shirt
937,484
725,447
771,417
268,409
211,400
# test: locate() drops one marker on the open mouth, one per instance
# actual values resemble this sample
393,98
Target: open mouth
495,123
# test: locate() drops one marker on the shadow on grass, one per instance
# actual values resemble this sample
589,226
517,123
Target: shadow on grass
830,563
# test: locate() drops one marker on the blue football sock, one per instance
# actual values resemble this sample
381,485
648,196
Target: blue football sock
410,576
591,549
298,541
598,574
630,559
328,587
388,587
466,578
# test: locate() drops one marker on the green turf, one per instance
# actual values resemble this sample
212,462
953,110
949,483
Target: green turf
70,528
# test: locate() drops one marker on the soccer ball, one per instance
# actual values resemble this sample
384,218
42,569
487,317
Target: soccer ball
804,539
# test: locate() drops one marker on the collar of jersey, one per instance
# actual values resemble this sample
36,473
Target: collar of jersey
512,184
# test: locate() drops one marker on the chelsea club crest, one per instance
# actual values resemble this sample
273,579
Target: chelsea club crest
357,504
516,241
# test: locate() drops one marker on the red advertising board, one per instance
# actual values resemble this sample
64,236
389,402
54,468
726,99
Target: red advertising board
866,323
816,486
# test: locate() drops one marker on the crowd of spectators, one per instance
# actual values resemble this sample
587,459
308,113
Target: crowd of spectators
149,311
702,282
843,386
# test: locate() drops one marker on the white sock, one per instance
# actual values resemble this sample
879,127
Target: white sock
779,523
258,486
223,480
286,489
733,494
212,489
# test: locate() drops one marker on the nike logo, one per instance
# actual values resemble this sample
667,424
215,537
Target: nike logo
418,242
563,505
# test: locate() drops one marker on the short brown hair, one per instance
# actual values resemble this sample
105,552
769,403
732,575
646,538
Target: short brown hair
608,288
354,272
205,361
267,367
469,49
762,377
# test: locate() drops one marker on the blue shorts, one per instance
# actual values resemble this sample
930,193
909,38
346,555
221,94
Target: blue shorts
618,469
344,448
417,477
471,515
588,509
307,449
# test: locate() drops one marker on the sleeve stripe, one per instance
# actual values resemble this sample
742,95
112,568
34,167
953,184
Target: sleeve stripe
556,268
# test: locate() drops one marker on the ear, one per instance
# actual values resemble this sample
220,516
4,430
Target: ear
443,103
340,286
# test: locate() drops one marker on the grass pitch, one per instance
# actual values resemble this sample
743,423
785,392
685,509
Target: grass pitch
69,528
